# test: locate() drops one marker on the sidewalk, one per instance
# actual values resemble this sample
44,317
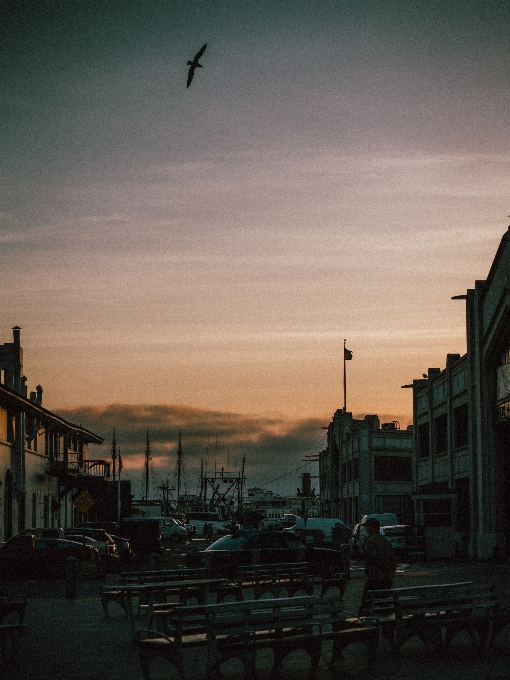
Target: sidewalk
72,639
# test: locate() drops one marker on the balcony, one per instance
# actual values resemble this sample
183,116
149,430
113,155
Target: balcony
72,467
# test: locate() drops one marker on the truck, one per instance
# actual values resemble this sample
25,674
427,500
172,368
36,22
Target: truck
144,535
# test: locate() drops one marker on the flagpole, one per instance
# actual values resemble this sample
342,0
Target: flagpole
345,386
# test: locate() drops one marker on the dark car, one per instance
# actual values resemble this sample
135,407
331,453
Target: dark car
30,557
269,547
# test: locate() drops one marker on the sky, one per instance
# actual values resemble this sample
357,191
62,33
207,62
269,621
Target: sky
192,259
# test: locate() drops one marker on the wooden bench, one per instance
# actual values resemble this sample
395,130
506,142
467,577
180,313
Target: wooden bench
285,578
436,613
12,617
117,592
239,629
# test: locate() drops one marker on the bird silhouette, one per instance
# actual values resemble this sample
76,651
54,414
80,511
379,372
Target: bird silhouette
194,64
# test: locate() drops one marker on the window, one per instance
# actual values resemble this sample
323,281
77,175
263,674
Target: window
459,380
439,392
423,441
422,402
393,469
460,426
401,505
34,510
441,434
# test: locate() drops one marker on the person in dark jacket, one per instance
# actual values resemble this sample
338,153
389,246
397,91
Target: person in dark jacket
381,562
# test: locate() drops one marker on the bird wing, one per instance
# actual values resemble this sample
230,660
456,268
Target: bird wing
200,52
191,73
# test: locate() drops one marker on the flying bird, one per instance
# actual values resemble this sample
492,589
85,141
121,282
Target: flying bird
194,64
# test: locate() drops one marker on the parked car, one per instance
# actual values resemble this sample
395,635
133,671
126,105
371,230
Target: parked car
126,553
30,557
44,532
397,536
105,543
109,527
360,534
271,547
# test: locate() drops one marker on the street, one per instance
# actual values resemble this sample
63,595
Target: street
72,640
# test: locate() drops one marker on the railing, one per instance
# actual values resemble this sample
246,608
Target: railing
91,468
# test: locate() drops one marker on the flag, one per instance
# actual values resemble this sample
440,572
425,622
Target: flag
347,354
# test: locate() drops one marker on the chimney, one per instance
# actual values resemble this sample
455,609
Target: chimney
39,392
16,335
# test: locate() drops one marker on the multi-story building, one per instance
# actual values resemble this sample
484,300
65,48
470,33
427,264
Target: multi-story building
462,425
366,468
44,463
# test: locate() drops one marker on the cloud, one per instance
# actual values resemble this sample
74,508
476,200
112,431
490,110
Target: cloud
272,448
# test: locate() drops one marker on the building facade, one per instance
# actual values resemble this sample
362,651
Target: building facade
366,468
462,425
44,461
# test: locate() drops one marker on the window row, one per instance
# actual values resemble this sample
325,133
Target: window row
438,442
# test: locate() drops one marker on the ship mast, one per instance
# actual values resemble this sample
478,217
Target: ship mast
179,467
147,458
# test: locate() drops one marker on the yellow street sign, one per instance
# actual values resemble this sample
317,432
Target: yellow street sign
83,502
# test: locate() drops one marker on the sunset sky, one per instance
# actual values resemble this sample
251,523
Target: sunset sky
193,259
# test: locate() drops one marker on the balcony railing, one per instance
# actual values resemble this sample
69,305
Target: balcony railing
88,468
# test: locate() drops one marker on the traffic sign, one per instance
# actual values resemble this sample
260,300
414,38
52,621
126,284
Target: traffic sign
83,502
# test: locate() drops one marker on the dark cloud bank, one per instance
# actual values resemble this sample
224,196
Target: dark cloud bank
274,448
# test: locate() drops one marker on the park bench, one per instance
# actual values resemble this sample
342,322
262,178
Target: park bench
117,592
436,613
285,579
12,617
239,629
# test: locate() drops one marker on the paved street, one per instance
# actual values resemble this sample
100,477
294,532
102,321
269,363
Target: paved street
72,640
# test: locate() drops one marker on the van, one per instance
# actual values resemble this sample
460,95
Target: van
307,528
172,531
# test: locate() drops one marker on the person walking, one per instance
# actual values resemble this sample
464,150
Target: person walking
381,562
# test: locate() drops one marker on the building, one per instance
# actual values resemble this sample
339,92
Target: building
366,468
44,463
461,418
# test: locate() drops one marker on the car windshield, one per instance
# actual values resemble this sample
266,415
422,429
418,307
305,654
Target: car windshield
231,542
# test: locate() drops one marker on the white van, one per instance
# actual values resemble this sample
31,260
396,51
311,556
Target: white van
322,524
172,531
